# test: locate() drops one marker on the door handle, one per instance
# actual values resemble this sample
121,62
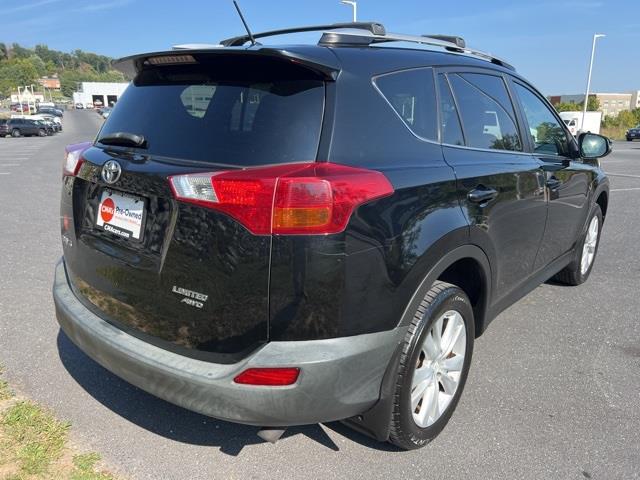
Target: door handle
482,194
553,183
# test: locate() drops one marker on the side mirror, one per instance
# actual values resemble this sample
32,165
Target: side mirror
593,145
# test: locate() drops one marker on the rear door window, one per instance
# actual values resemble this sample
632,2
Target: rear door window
411,93
234,122
488,118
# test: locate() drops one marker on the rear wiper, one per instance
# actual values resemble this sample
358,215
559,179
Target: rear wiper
124,139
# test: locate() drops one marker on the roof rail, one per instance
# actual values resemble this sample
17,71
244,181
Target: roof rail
373,28
351,36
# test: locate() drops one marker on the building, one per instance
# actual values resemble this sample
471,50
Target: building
614,103
99,93
50,83
635,100
26,97
611,104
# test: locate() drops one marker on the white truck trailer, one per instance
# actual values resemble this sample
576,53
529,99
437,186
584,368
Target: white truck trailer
573,120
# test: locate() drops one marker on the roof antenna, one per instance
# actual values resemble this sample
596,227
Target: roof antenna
246,27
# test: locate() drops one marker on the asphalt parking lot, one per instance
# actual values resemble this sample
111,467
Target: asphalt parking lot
553,392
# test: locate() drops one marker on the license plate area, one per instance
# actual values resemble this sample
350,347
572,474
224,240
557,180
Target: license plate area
121,214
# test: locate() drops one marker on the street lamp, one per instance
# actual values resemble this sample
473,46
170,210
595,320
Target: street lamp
586,95
354,6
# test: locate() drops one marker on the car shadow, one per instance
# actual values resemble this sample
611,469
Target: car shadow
176,423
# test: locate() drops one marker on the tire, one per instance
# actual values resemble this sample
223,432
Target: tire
438,309
576,273
15,133
42,133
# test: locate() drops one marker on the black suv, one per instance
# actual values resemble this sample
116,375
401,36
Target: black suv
51,111
26,127
285,235
633,134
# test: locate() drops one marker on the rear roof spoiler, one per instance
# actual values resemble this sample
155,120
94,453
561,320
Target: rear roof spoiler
322,62
373,27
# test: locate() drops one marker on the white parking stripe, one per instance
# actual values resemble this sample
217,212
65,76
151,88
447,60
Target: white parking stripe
9,164
624,189
621,175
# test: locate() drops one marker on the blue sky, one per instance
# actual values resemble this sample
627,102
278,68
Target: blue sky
548,41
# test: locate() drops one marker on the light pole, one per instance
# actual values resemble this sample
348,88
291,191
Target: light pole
354,6
586,95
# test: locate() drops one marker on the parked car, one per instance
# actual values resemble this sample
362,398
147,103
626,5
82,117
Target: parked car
320,233
89,106
49,127
51,110
25,127
106,111
633,134
79,106
4,128
57,123
18,108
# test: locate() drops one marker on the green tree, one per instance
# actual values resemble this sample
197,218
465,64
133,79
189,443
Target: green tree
16,72
568,107
38,64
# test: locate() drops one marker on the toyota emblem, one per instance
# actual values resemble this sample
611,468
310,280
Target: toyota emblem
111,171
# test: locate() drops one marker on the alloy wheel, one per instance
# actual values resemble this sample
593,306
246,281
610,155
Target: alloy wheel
590,244
438,368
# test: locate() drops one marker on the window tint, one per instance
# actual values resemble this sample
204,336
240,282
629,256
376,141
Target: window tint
487,123
235,122
411,93
547,134
494,87
450,122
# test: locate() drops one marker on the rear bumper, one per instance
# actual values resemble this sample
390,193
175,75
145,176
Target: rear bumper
339,377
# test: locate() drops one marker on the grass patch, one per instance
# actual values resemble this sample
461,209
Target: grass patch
615,133
85,468
5,390
33,444
36,437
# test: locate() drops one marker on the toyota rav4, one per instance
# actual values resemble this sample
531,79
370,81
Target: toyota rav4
286,235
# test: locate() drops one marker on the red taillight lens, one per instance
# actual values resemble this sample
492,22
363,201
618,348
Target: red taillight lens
275,377
73,158
310,198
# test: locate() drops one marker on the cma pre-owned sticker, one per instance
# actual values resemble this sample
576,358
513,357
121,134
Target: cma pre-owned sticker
121,214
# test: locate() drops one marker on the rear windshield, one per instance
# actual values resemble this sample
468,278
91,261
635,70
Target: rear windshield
233,121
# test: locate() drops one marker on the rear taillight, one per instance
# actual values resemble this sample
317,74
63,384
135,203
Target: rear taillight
274,377
73,158
309,198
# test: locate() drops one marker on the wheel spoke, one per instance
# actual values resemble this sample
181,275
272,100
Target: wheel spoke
422,374
452,334
428,400
436,331
448,383
418,394
453,364
430,347
433,411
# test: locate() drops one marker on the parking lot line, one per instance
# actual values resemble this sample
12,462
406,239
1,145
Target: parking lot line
624,189
621,175
9,164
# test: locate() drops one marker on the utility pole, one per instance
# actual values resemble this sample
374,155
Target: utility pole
586,95
354,6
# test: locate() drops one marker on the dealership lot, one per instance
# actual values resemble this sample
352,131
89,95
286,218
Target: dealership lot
554,389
